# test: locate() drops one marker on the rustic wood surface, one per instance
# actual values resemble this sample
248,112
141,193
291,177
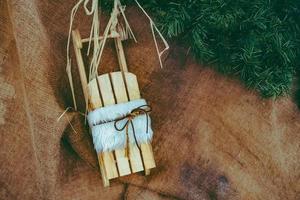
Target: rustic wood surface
213,139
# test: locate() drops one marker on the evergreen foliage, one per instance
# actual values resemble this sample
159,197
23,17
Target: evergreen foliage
257,41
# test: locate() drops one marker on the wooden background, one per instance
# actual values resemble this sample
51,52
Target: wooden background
214,139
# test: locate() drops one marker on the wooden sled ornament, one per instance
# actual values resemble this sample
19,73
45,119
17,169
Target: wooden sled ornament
105,90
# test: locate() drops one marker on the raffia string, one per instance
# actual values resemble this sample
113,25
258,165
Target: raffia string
128,30
68,68
153,29
65,111
114,27
96,43
93,34
144,109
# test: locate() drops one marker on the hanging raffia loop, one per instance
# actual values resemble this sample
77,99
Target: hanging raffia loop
113,28
153,30
93,8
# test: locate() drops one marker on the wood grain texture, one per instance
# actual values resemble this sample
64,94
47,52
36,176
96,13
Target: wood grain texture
106,90
121,97
94,94
146,148
106,159
136,162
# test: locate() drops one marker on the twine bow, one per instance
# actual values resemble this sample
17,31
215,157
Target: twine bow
144,109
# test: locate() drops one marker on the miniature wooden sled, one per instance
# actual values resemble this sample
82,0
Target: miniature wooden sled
108,89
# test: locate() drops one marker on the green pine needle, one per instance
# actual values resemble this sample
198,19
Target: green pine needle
258,40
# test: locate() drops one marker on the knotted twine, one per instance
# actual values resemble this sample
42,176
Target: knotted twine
112,127
144,109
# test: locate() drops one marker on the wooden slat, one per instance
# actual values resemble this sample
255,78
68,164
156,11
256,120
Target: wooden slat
106,159
121,96
148,157
132,86
102,170
106,90
108,99
134,153
94,96
119,87
146,148
135,158
110,164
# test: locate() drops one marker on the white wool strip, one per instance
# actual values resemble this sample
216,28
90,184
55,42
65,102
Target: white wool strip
109,113
107,138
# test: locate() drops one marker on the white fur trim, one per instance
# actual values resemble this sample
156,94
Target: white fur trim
106,137
109,113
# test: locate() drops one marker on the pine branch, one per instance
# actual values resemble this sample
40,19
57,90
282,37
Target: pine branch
258,40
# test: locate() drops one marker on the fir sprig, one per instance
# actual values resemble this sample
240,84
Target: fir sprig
257,40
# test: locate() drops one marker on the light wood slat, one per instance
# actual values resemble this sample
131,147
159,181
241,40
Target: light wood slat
110,164
105,158
132,86
148,157
94,96
146,148
108,99
105,179
106,90
119,87
134,152
121,96
135,158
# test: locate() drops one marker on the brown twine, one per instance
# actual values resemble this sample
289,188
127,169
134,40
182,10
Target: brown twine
144,109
